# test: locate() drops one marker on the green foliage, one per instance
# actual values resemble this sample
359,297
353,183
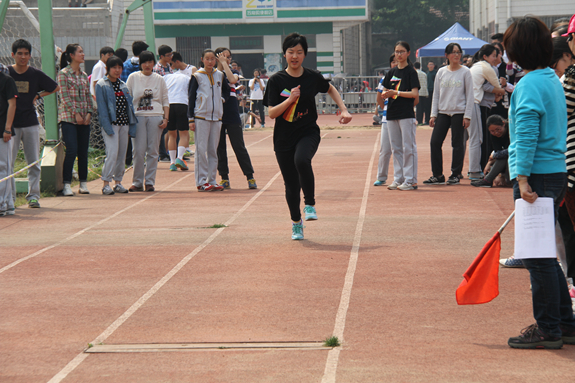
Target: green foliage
416,21
331,342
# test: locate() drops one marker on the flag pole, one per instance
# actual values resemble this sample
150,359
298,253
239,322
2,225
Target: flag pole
506,222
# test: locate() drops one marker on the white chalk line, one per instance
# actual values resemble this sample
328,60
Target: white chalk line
140,302
75,235
333,355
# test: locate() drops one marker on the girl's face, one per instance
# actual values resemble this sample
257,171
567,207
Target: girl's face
209,60
147,67
563,63
492,58
78,56
115,72
496,130
295,56
454,56
401,54
393,64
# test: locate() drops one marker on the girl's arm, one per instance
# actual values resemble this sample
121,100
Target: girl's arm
334,94
66,100
414,93
103,114
277,110
232,78
489,75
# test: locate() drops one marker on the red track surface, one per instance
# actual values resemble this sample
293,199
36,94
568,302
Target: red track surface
249,282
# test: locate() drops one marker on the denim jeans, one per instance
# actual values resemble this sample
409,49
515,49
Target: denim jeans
551,301
77,140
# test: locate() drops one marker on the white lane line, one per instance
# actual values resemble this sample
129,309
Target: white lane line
75,235
118,322
11,265
333,355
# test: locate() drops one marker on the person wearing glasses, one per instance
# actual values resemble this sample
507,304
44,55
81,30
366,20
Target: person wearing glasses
452,107
401,88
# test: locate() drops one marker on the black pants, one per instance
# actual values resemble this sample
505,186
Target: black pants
297,173
442,125
486,146
499,167
77,141
421,108
428,107
237,140
258,105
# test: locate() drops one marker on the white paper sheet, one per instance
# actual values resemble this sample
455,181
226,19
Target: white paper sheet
534,229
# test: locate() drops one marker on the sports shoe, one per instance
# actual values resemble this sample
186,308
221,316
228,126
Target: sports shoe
482,183
394,185
206,188
135,188
173,168
460,176
83,188
511,262
452,180
189,153
379,183
120,189
10,211
67,191
181,164
406,186
297,230
532,337
218,188
225,184
107,190
310,213
33,203
475,176
433,180
252,184
568,334
164,159
150,188
263,126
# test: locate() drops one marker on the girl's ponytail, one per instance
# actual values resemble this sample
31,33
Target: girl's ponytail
66,59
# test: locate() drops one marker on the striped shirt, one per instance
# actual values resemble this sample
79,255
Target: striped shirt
569,87
75,95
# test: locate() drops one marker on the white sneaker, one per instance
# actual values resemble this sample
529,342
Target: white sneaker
406,186
84,188
394,185
67,190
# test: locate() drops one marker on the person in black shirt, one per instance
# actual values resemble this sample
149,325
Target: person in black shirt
8,95
290,96
497,163
401,88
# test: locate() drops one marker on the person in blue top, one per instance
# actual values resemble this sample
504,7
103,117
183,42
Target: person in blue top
538,130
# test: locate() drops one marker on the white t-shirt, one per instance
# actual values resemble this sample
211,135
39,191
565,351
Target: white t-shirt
257,93
188,71
150,93
177,87
98,72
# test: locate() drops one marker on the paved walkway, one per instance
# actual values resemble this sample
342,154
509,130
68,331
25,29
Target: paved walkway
378,269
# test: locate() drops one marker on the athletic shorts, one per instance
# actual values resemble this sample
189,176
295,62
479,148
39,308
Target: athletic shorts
178,119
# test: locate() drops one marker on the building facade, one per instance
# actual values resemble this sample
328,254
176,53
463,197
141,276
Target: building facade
487,17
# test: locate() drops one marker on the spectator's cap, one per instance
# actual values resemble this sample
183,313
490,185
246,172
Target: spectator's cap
571,28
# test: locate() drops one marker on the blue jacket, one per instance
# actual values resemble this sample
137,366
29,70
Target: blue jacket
130,66
537,125
106,99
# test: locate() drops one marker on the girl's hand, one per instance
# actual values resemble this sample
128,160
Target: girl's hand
466,122
7,136
388,94
164,124
432,122
222,59
79,119
88,119
192,126
345,117
526,193
295,93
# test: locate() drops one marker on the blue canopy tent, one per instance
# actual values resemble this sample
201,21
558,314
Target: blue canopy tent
456,34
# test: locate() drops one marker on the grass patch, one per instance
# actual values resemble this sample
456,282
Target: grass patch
217,226
331,342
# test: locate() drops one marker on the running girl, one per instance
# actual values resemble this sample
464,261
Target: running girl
206,95
290,96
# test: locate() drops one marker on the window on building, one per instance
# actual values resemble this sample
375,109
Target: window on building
246,42
191,48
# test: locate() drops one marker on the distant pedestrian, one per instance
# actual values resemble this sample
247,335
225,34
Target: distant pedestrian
423,94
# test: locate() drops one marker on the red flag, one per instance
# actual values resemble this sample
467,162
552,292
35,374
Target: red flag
481,283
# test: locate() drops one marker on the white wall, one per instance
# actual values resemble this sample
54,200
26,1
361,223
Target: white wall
220,41
273,44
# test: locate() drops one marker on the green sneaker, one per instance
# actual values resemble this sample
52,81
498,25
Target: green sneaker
297,230
34,203
181,164
310,213
173,168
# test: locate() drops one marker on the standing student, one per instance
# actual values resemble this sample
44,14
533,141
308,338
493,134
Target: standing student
402,88
118,121
538,130
257,87
8,94
431,73
423,94
452,107
385,146
290,96
75,114
152,108
178,84
232,127
99,70
208,90
133,65
32,84
179,66
163,66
